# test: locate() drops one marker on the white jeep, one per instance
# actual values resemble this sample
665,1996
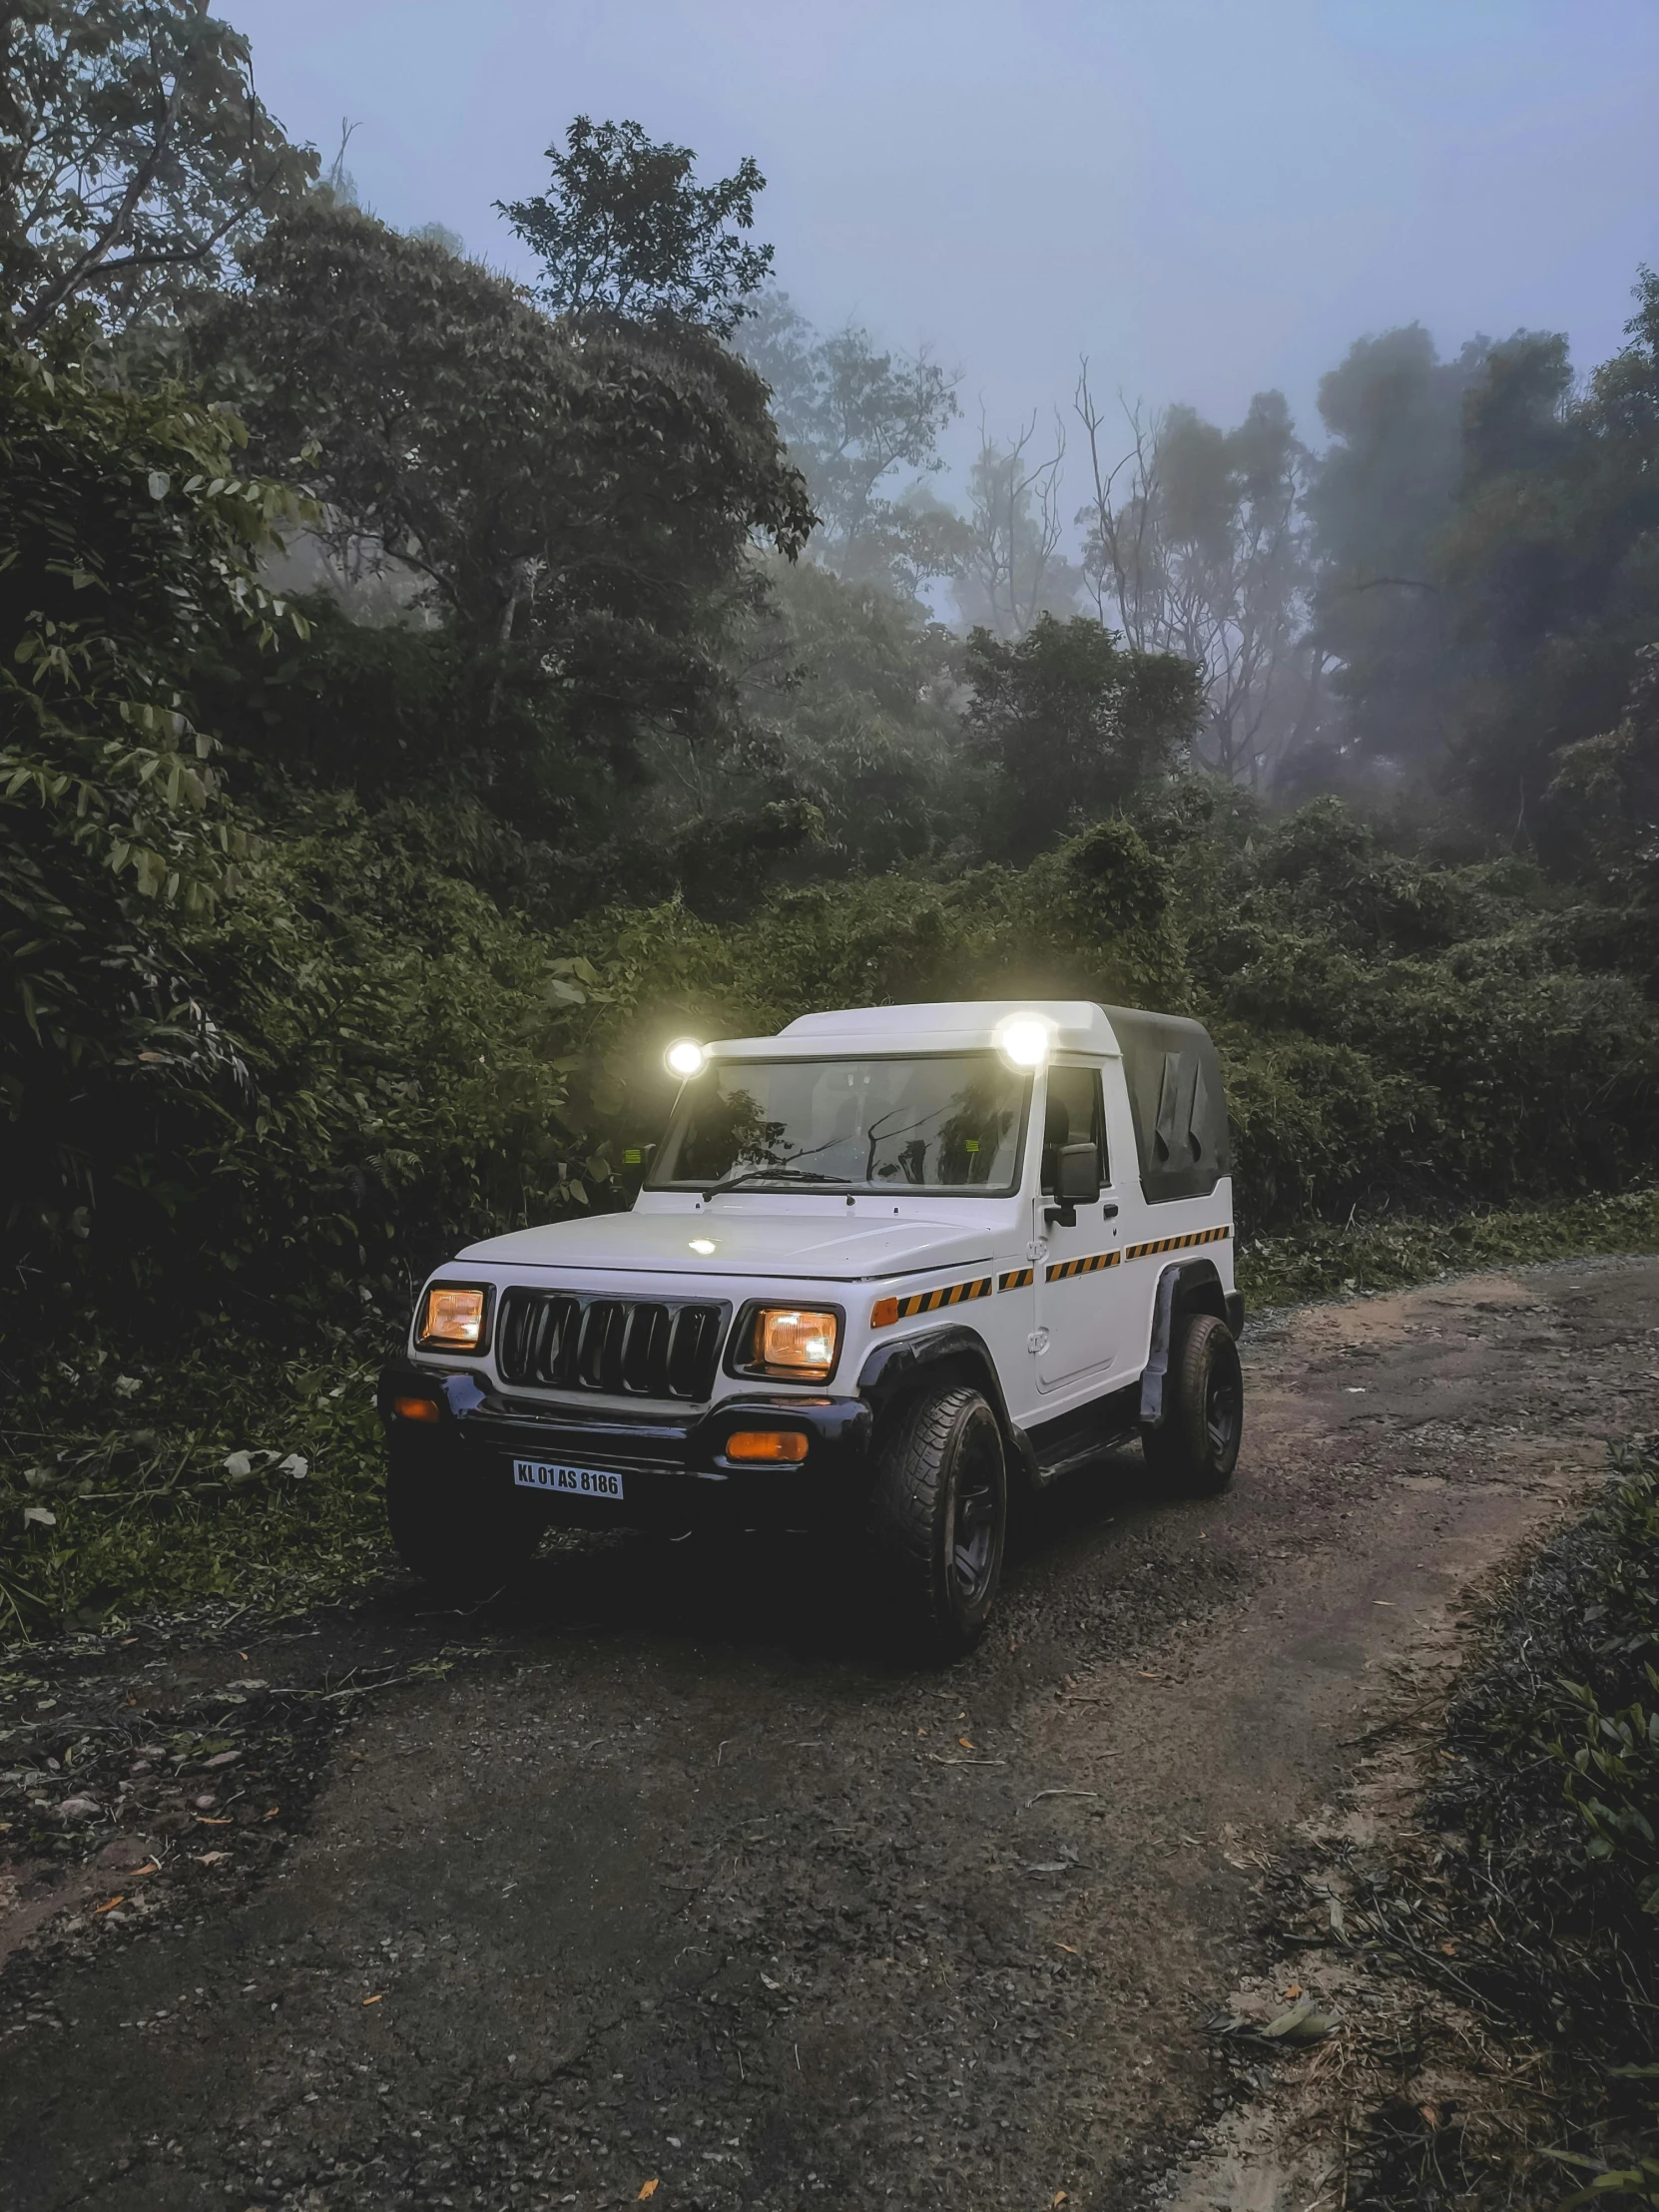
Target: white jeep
885,1268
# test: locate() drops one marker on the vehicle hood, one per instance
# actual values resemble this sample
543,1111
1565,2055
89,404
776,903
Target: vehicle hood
745,1244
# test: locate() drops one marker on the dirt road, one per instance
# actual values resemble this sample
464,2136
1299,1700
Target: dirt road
676,1885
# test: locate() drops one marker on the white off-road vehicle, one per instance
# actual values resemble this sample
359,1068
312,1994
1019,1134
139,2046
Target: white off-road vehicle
885,1268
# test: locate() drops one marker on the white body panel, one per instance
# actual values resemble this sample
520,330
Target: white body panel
1057,1341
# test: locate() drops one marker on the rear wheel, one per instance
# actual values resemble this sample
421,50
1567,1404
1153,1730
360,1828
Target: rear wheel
939,1519
467,1542
1196,1445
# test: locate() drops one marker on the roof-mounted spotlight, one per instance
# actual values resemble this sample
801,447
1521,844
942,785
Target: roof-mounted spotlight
1024,1040
684,1058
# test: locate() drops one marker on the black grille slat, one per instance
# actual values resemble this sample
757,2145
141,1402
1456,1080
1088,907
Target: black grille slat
609,1346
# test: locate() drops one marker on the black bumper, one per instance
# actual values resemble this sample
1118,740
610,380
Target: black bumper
674,1468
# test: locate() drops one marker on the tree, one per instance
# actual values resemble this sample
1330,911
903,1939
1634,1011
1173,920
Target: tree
135,154
854,418
1012,570
624,230
129,544
1550,563
855,689
1074,720
1387,491
577,507
1195,546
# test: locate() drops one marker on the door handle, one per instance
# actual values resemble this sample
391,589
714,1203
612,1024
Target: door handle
1109,1212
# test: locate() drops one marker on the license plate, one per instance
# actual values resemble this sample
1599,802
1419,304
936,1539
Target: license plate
544,1474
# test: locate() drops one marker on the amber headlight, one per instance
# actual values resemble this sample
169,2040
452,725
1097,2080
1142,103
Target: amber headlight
452,1318
790,1341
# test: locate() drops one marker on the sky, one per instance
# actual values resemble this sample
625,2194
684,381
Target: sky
1208,197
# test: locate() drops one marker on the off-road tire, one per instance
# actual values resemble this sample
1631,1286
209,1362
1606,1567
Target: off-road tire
1196,1445
465,1545
939,1520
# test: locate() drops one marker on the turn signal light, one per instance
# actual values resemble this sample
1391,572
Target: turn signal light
782,1446
417,1409
883,1313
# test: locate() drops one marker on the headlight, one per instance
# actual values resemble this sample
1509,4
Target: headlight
452,1320
791,1341
1022,1040
686,1058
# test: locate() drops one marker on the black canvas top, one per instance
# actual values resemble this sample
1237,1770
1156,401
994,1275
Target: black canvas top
1176,1103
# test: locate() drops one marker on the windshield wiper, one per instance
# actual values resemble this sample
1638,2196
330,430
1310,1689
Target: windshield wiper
774,1175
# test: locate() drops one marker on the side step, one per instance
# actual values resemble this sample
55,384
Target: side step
1060,1447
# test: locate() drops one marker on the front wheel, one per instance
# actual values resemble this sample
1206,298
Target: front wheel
939,1519
1196,1445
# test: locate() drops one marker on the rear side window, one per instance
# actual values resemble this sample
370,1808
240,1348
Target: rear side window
1075,1114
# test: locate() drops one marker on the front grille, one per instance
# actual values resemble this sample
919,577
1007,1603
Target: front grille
612,1346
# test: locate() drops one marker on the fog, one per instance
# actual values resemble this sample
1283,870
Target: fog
1207,199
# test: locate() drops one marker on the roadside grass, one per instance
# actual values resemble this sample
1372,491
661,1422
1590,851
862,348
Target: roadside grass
1380,1252
233,1472
242,1472
1539,1904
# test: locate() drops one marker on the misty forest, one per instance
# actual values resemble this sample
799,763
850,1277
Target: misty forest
422,694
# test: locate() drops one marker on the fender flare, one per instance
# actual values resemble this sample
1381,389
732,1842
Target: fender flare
1190,1286
892,1371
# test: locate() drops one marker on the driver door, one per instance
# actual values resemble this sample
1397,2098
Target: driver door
1079,1283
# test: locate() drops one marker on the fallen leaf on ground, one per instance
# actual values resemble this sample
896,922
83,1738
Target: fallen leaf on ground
211,1858
108,1904
649,2190
966,1746
375,1999
203,1820
1295,1990
1303,2023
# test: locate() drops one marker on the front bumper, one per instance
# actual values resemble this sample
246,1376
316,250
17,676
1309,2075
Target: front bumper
675,1473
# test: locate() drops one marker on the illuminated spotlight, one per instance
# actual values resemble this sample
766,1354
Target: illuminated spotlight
1022,1040
684,1058
703,1245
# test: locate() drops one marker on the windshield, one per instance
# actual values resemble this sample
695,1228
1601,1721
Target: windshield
948,1122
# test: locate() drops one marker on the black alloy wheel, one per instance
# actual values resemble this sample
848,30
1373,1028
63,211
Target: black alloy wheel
1196,1445
939,1519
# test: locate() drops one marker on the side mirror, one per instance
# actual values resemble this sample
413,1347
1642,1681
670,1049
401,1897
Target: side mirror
1076,1182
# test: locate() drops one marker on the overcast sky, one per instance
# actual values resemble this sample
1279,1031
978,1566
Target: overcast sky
1207,197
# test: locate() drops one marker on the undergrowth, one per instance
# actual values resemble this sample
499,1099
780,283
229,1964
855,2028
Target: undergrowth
1542,1909
235,1471
1385,1253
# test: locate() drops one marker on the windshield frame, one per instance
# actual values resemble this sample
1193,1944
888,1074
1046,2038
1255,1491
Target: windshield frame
773,1181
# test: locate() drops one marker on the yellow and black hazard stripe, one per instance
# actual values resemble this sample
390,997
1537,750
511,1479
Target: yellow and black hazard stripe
1063,1270
1017,1279
1177,1243
888,1310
